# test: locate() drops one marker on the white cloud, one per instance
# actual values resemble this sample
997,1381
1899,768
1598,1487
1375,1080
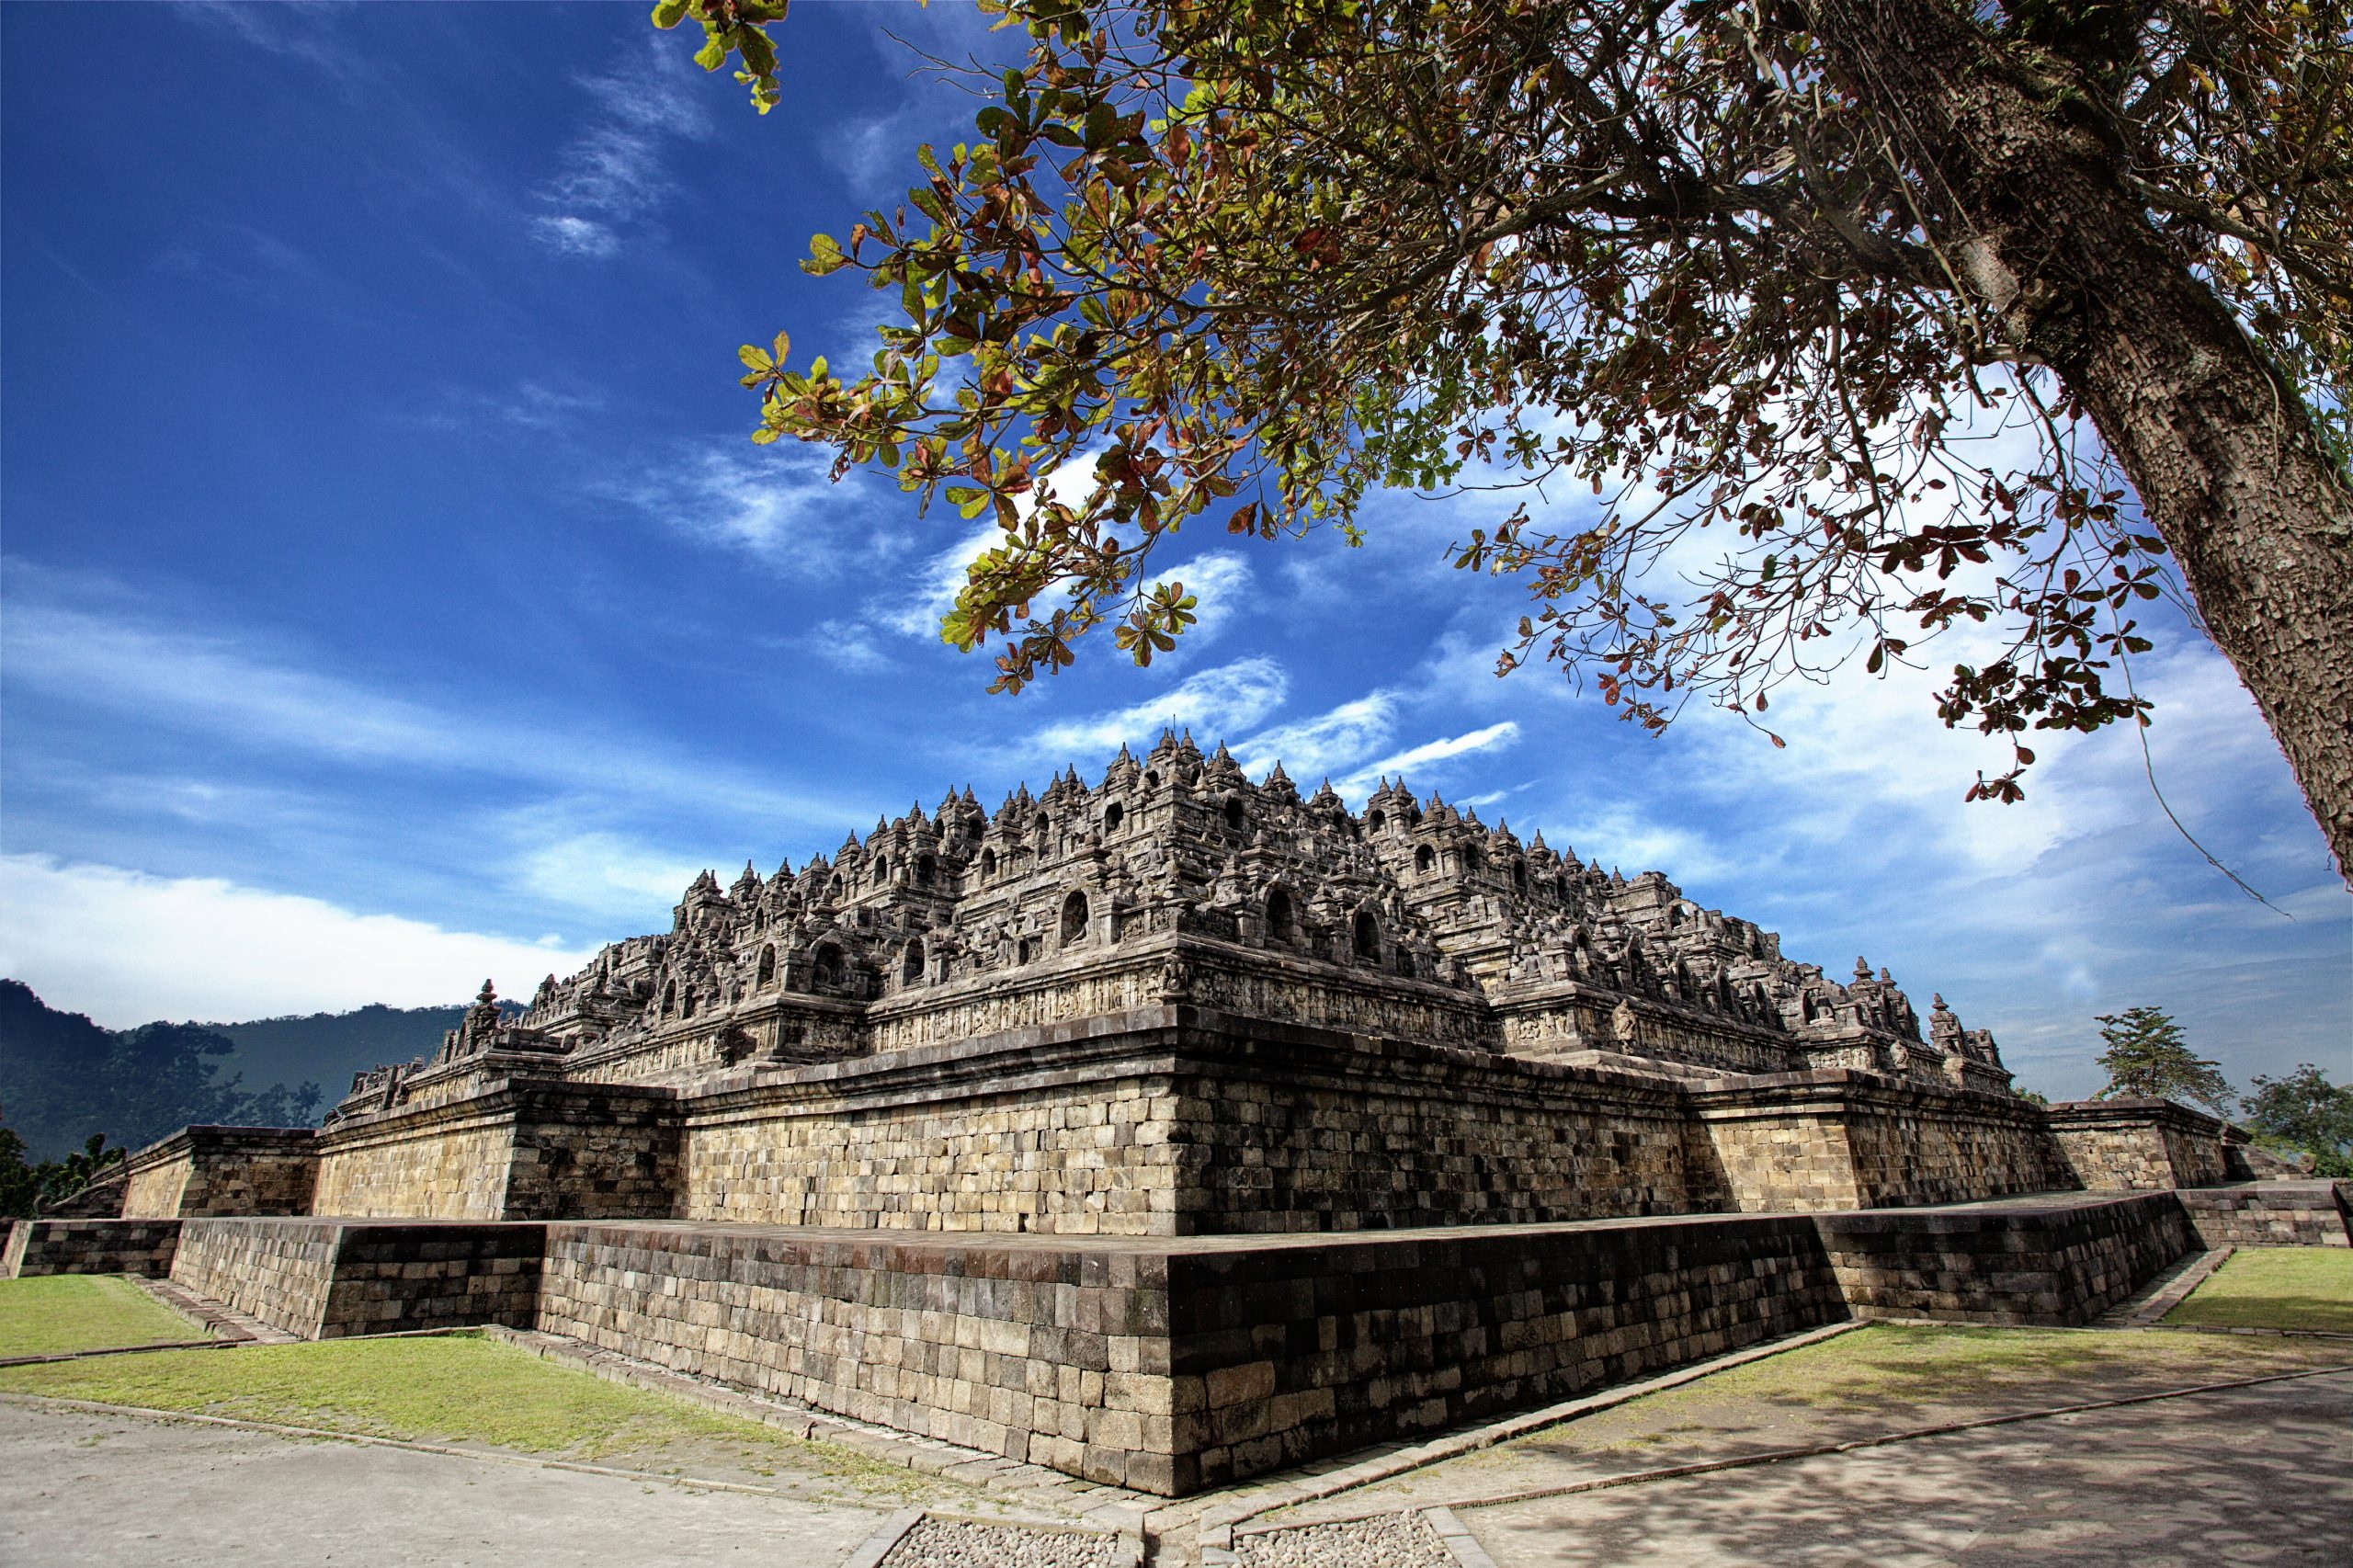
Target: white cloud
779,503
937,584
1211,703
266,700
575,236
127,948
610,175
602,873
1491,738
1330,741
1221,585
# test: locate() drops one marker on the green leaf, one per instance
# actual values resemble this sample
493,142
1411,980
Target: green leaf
712,54
825,255
669,13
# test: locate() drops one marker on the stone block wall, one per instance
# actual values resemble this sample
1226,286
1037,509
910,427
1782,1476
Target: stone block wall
91,1247
1284,1352
2272,1213
1180,1120
591,1152
223,1170
1168,1366
1833,1139
1182,1123
446,1163
328,1279
524,1149
1034,1348
2134,1145
2054,1262
1284,1127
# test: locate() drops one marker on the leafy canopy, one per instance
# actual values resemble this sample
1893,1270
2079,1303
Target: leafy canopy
2148,1058
2304,1110
1245,260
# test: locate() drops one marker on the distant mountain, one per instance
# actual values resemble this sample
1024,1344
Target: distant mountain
63,1078
329,1048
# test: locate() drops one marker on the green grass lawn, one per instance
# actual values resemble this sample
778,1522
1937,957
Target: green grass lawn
52,1314
460,1389
2276,1287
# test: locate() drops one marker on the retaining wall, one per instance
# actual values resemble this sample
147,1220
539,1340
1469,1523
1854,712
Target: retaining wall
327,1279
2050,1261
223,1170
2136,1145
526,1148
1835,1138
2272,1213
90,1246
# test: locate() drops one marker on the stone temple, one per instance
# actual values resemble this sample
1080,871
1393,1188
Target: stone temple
1178,1128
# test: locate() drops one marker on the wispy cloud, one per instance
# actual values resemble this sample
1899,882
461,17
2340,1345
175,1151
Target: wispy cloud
300,29
275,701
1213,703
127,948
937,584
605,874
779,503
1329,741
610,175
1493,737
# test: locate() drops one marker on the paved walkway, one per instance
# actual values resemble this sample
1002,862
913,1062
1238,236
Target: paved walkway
86,1490
2258,1475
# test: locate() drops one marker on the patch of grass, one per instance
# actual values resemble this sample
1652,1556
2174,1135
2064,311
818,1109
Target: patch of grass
50,1314
1899,1373
2276,1287
458,1388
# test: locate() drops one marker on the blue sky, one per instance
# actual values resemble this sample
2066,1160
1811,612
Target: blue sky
390,595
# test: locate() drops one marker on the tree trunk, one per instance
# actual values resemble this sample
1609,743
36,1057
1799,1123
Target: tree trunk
2222,452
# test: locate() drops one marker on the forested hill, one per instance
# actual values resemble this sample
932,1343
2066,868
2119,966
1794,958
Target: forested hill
63,1078
329,1048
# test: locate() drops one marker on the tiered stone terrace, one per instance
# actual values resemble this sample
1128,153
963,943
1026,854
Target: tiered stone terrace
1060,1132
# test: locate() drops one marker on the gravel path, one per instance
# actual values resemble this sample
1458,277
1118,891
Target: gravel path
1394,1540
955,1543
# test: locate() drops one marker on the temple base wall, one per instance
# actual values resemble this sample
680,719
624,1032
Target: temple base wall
2272,1213
1832,1140
1185,1121
526,1148
2130,1145
1169,1364
2056,1261
223,1170
144,1247
328,1279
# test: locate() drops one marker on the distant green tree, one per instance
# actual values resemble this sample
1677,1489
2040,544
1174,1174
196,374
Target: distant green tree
26,1189
20,1183
2306,1111
2147,1059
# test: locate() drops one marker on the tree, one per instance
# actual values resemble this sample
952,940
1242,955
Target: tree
2304,1110
1767,274
25,1189
2147,1059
